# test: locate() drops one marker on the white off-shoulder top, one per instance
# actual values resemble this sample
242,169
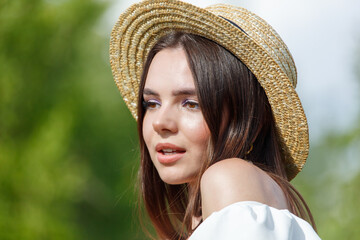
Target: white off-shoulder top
253,221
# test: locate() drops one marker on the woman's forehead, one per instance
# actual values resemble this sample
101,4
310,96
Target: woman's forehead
169,70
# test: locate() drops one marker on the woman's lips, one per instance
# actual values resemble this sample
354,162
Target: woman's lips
169,153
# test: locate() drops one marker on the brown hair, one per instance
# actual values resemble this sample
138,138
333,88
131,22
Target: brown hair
225,87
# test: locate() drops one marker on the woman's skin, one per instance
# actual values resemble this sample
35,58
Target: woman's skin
234,180
173,120
174,124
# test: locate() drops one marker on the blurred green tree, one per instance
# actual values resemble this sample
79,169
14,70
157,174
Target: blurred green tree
66,139
330,180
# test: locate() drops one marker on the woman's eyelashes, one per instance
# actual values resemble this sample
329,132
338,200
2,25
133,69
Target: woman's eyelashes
190,104
151,104
155,104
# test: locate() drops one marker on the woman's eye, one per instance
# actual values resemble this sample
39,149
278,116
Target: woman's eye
151,104
191,104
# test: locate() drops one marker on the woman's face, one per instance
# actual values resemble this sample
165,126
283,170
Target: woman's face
174,128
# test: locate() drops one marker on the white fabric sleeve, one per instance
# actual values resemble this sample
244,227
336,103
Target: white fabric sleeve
254,221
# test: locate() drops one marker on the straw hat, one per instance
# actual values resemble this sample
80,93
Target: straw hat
241,32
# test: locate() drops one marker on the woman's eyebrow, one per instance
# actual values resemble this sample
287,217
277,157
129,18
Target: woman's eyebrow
185,91
178,92
148,91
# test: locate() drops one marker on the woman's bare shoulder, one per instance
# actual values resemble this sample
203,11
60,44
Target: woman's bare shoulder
234,180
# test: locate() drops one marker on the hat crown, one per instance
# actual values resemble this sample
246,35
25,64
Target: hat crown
261,33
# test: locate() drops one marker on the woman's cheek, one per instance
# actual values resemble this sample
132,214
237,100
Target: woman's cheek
147,128
196,128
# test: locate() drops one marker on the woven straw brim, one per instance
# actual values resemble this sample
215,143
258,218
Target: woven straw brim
260,48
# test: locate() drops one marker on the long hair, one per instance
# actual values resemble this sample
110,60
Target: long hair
239,117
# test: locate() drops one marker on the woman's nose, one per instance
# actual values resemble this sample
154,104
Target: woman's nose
165,121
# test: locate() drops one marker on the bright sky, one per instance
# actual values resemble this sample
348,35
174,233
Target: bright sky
324,39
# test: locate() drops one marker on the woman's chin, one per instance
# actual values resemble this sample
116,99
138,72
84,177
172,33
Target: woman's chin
173,180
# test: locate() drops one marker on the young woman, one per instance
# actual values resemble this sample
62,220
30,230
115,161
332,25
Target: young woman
221,128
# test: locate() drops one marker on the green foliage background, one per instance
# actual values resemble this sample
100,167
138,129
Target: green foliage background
67,143
68,146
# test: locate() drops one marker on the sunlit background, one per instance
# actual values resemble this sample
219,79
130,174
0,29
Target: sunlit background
68,145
